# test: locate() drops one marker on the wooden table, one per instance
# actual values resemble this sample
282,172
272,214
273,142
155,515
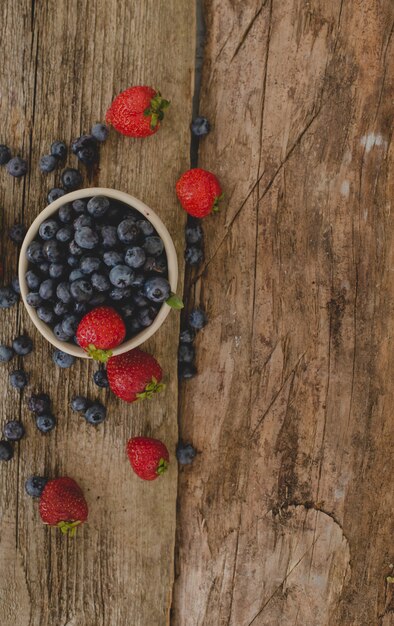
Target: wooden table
286,515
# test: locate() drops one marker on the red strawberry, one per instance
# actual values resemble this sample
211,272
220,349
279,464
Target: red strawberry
137,111
62,504
149,457
134,375
99,331
199,192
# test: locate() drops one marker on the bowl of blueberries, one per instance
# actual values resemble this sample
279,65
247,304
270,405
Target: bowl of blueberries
97,247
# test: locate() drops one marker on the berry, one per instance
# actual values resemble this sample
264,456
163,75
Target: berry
133,326
6,353
8,297
198,192
193,255
45,423
139,300
32,280
157,289
197,319
146,316
60,334
157,265
47,289
137,111
145,227
13,430
109,236
83,220
66,214
95,414
54,194
62,504
39,403
15,285
88,156
52,250
186,371
56,270
99,331
18,379
98,206
5,154
60,308
138,280
79,206
86,237
64,234
200,126
134,375
6,451
185,453
71,179
70,325
74,248
48,229
79,403
34,486
34,299
44,268
128,231
59,150
47,163
127,310
81,290
22,345
80,307
135,257
100,378
112,258
97,300
100,282
89,264
120,293
83,142
62,359
75,275
63,293
153,246
46,314
100,132
34,253
148,457
186,353
187,336
17,233
16,167
193,234
121,276
72,261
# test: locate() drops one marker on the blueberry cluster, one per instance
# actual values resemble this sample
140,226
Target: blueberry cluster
194,251
21,346
40,405
15,166
93,412
186,352
93,252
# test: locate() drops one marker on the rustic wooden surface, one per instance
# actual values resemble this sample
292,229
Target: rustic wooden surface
286,516
61,66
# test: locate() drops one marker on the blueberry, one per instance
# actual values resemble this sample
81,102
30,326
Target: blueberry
22,345
32,280
187,335
95,414
200,126
83,220
60,335
88,156
138,280
186,370
193,234
34,486
109,236
112,258
66,214
121,276
185,453
75,275
100,132
18,379
79,403
44,268
6,451
45,423
13,430
39,403
75,249
145,227
186,353
139,300
52,250
89,264
79,206
59,150
60,308
86,238
56,270
6,353
17,233
72,261
193,255
98,299
146,315
81,290
54,194
34,253
63,292
15,285
157,289
5,154
34,299
100,378
70,325
120,293
197,319
80,308
100,282
62,359
84,141
128,231
157,265
47,163
153,246
8,297
48,229
47,289
16,167
71,179
46,314
98,206
135,257
127,310
64,234
133,326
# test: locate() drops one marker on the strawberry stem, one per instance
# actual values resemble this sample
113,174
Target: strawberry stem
215,207
97,354
68,528
156,109
162,467
150,389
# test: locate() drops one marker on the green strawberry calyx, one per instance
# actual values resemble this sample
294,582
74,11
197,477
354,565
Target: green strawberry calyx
175,302
156,109
215,208
150,389
68,528
97,354
162,467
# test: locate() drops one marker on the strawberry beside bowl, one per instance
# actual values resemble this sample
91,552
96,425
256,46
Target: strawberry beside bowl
125,200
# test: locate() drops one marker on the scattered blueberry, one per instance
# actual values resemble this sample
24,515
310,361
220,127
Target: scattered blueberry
135,257
95,414
8,297
6,451
197,319
128,231
48,229
39,403
185,453
46,314
17,233
62,359
54,194
193,234
18,379
81,290
22,345
200,126
45,423
15,285
47,163
157,289
187,336
47,289
13,430
34,486
5,154
186,370
153,246
16,167
85,147
121,276
100,132
193,255
6,353
98,206
79,403
71,179
59,150
86,237
186,353
100,378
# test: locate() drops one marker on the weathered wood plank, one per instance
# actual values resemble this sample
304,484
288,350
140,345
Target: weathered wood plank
285,516
63,65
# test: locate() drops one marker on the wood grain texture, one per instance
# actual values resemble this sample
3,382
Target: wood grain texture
286,515
64,64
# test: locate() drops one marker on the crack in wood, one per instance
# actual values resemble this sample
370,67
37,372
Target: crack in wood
248,29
